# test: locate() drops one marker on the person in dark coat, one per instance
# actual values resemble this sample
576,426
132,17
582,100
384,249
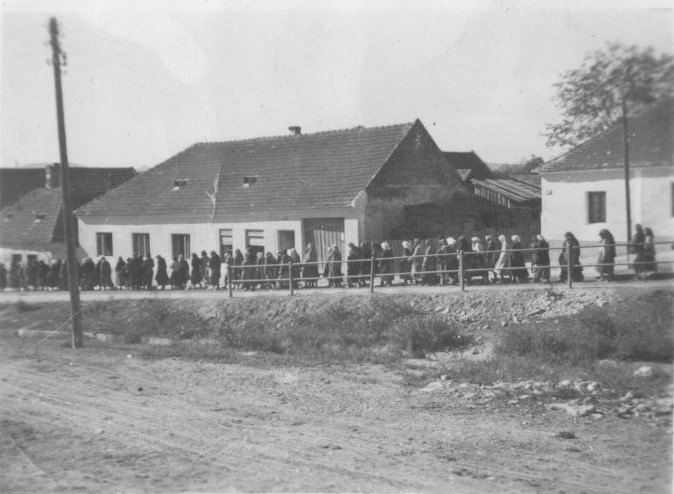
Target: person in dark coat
215,267
249,268
203,264
429,265
197,273
175,277
297,266
353,265
607,255
406,263
148,271
32,269
638,247
120,267
184,267
88,274
576,268
540,259
106,275
237,272
161,277
385,265
284,269
365,252
14,275
42,275
270,270
493,248
519,272
334,267
136,268
310,267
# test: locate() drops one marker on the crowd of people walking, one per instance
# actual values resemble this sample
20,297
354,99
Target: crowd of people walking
421,262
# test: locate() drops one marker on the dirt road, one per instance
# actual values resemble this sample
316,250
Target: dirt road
97,421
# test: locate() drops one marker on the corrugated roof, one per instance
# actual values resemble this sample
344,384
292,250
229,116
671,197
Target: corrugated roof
320,170
651,139
512,188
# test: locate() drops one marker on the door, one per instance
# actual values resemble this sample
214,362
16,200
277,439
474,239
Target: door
324,232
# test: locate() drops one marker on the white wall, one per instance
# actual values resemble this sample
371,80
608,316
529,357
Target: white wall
564,203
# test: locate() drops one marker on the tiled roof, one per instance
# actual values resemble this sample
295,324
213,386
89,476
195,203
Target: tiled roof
513,188
29,223
320,170
469,161
651,139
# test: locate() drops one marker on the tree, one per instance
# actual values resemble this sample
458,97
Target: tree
610,84
525,167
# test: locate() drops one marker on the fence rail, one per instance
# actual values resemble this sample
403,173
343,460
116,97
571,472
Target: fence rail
456,268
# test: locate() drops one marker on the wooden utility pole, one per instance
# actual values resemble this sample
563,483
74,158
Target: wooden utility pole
66,208
626,143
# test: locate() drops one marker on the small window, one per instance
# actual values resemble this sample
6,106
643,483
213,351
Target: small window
103,244
141,244
180,244
596,207
226,241
178,183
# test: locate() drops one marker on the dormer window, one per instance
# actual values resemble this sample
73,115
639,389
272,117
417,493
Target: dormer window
178,183
249,180
39,216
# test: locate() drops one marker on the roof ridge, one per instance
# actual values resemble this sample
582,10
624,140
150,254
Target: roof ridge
291,136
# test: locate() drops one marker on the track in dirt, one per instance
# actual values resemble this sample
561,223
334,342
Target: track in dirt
81,421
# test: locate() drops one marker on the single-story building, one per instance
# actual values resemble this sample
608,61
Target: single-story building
583,191
32,225
272,193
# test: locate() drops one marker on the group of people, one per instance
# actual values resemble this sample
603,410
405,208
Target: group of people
422,262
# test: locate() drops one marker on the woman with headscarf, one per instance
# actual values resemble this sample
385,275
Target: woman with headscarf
637,246
452,261
353,265
161,277
503,262
493,251
203,266
249,266
570,242
196,273
175,278
406,263
296,267
270,270
519,271
386,265
607,255
478,260
237,264
540,259
310,267
334,265
283,260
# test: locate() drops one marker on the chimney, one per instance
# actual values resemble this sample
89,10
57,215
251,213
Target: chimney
52,176
295,130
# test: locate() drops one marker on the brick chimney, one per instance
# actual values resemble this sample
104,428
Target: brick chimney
52,176
295,130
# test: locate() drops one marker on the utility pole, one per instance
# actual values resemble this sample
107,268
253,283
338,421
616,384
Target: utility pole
628,206
66,208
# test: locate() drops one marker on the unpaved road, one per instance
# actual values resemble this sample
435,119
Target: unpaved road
96,421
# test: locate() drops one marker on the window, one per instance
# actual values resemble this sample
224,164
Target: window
141,244
103,244
286,239
180,244
255,240
596,207
226,242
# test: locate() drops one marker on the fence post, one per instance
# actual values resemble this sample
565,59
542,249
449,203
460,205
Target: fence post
229,279
462,274
372,274
568,266
290,277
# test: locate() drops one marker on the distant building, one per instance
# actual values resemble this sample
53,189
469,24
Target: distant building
32,225
584,189
272,193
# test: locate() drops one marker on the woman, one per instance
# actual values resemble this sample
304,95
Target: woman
297,266
479,260
334,266
637,246
161,278
270,270
452,261
249,267
493,252
650,266
176,275
283,270
519,272
501,268
237,263
570,242
386,265
429,265
418,249
540,259
406,263
310,267
607,255
353,264
197,273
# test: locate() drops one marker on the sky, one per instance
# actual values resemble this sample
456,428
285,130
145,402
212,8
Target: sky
146,79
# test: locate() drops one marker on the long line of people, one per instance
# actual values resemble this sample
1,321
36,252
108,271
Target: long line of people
422,262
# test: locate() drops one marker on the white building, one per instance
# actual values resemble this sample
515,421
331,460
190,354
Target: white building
271,194
583,190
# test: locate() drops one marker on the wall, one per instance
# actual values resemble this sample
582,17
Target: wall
564,202
412,175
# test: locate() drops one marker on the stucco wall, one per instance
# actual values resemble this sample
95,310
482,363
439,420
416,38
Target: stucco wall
564,203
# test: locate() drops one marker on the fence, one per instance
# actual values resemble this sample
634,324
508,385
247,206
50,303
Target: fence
445,268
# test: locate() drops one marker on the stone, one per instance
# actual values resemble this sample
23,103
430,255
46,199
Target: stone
432,387
644,371
607,364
